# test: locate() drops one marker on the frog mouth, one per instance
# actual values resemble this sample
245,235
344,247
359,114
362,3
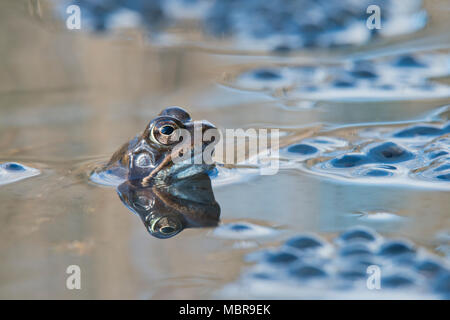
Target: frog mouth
169,171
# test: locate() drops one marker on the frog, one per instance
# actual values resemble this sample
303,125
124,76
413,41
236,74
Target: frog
166,151
166,210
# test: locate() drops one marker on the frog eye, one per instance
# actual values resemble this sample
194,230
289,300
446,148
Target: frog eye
164,227
165,132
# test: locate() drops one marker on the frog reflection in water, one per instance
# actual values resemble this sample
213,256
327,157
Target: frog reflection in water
165,183
167,210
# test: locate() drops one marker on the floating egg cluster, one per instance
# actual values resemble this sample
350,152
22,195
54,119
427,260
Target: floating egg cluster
357,263
12,172
409,155
405,77
268,25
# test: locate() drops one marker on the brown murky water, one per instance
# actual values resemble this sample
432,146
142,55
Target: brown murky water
68,100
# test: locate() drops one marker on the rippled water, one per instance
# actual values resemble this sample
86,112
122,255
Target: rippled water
365,141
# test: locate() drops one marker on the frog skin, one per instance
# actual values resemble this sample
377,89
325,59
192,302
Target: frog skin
166,210
148,158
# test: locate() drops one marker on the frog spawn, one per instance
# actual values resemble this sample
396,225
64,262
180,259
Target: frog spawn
402,77
253,24
11,172
278,25
307,266
243,231
381,154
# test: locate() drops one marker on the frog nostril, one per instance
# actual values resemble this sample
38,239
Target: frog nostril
167,130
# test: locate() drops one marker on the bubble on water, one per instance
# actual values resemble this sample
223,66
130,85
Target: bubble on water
308,272
243,230
263,79
13,167
281,258
442,284
349,160
364,74
262,276
429,267
266,74
408,61
444,177
437,154
377,173
352,274
303,149
446,129
418,131
11,172
396,248
305,242
358,234
389,152
240,227
397,281
355,249
343,82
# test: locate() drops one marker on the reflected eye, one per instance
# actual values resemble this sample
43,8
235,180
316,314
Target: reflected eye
165,132
164,227
167,230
